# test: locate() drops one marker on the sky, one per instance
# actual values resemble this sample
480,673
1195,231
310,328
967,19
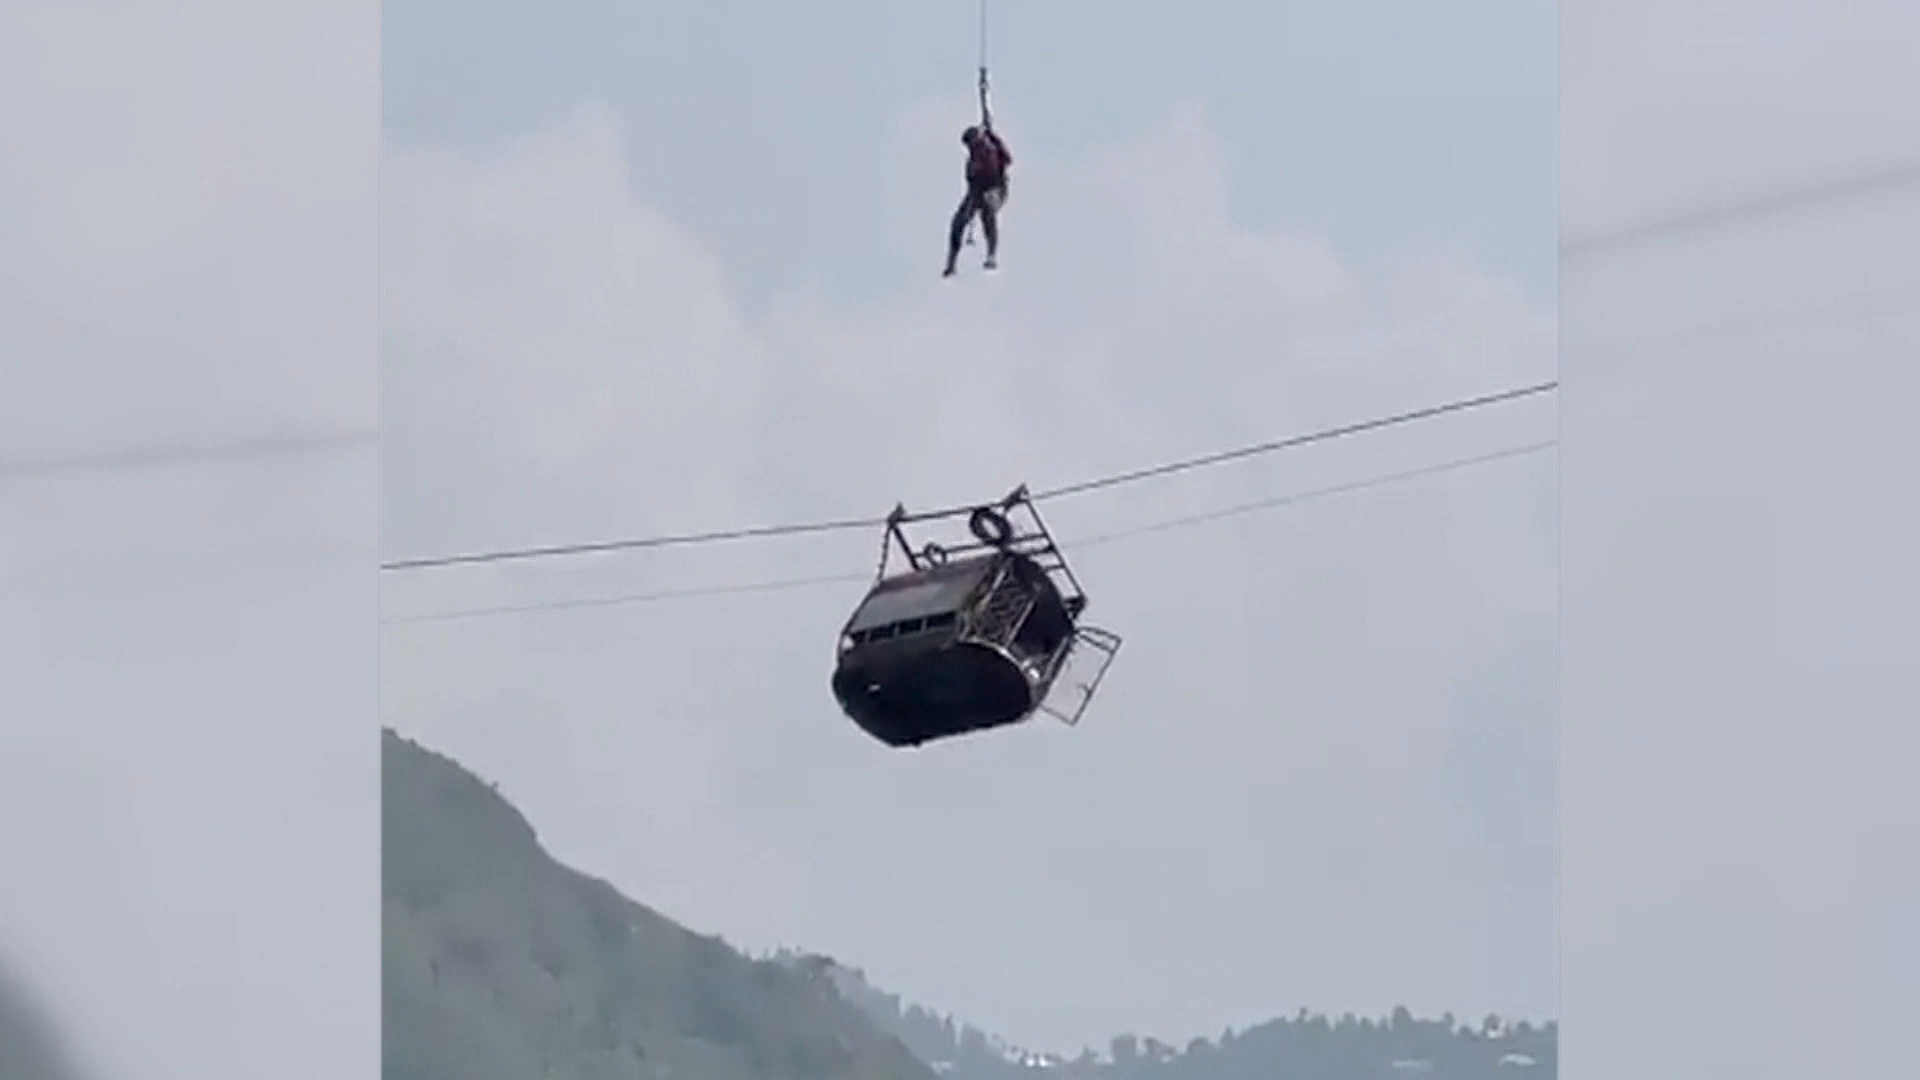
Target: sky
679,271
188,534
189,780
1739,604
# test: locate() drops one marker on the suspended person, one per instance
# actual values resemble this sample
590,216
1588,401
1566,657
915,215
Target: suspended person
987,163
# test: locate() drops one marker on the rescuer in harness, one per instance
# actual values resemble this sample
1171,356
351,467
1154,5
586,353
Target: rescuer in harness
987,163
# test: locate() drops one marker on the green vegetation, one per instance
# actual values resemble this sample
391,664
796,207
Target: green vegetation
1303,1047
501,964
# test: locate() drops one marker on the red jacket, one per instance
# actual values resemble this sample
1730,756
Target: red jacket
988,159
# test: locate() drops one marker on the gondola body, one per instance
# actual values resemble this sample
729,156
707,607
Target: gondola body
955,645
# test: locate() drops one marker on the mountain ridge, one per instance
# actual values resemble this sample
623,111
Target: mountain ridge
1306,1044
501,963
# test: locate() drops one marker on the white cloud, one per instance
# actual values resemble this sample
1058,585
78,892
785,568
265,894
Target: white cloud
1727,101
180,245
581,329
1270,753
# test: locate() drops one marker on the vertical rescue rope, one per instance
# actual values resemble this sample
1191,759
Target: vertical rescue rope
986,115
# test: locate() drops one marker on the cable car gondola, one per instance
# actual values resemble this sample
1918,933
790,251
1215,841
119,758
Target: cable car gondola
969,637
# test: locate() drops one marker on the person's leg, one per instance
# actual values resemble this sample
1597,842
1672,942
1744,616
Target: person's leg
990,225
957,228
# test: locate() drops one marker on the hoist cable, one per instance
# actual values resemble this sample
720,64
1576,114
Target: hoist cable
767,531
1298,440
636,543
983,35
1277,501
986,113
1187,521
627,599
983,54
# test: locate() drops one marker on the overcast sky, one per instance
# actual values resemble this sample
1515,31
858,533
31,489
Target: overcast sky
189,782
188,788
1740,604
679,270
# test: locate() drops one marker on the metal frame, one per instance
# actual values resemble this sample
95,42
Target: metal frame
1103,641
1027,535
1035,542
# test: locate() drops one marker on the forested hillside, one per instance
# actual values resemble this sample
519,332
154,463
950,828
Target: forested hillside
502,964
1304,1046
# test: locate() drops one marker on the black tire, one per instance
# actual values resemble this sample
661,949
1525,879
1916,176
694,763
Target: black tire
990,527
